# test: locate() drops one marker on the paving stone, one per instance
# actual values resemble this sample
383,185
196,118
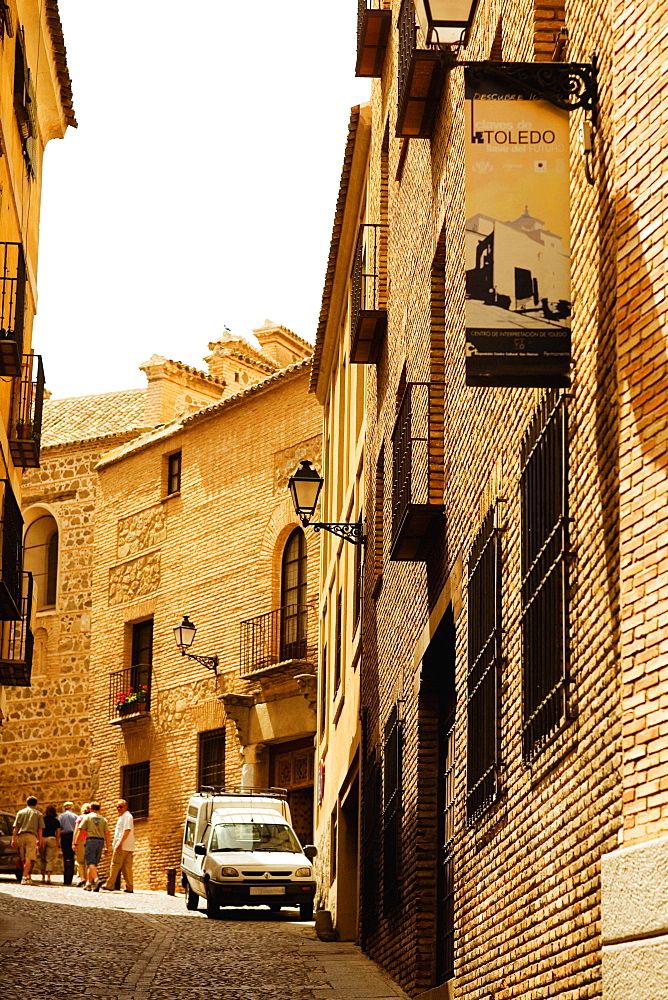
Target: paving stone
68,944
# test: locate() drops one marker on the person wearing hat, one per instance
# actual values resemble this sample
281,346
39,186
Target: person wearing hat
67,820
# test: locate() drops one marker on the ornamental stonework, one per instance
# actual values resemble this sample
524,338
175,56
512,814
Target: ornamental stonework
287,460
133,579
140,531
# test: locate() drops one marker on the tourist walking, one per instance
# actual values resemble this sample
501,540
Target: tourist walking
96,829
27,836
50,843
79,848
123,849
67,820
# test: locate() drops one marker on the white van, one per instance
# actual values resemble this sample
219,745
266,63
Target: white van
239,849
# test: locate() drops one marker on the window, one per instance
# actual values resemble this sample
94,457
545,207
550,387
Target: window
174,473
544,569
40,553
142,658
391,811
338,643
359,582
323,691
371,807
189,836
484,662
333,845
211,770
24,107
294,613
135,780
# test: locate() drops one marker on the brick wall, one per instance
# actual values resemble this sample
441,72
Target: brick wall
527,873
213,551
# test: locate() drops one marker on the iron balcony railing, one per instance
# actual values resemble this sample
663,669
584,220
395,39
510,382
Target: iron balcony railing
11,554
130,692
407,30
288,633
420,79
413,506
25,431
373,28
16,641
368,307
12,307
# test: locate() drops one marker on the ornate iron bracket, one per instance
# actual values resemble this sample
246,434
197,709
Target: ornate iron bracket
353,533
210,662
567,85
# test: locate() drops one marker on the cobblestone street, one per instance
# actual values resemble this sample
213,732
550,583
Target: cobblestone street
62,944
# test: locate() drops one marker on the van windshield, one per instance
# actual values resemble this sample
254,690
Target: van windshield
254,837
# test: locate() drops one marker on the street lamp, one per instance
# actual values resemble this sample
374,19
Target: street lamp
184,633
445,22
305,486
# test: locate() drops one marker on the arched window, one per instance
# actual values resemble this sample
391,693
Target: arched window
40,557
293,598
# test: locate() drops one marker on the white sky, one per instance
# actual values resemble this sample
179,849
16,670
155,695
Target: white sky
199,189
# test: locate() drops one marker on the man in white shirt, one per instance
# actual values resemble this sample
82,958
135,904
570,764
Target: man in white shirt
123,848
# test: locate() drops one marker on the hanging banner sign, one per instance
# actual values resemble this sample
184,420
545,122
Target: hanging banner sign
518,297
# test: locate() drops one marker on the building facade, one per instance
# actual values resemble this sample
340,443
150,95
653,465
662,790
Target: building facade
35,106
338,384
512,729
194,518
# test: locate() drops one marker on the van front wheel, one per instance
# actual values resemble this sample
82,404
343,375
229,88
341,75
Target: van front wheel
192,899
212,907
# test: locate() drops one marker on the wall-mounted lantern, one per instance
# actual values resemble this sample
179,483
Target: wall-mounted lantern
305,486
445,22
184,634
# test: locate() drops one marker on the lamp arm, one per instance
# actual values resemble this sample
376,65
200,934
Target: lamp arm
353,533
210,662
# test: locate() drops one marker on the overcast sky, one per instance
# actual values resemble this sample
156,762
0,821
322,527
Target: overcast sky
199,190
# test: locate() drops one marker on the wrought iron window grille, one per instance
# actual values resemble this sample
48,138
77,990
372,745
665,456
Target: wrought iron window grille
374,23
544,559
392,810
135,784
484,666
368,306
130,693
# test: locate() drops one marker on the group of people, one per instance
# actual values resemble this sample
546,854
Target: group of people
82,837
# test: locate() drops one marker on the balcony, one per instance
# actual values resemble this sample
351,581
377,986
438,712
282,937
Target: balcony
11,555
16,642
130,693
25,429
421,78
368,307
278,637
417,476
12,307
373,31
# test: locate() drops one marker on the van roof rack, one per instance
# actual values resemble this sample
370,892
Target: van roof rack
278,793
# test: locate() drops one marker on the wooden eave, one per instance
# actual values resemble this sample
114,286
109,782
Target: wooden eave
342,246
60,59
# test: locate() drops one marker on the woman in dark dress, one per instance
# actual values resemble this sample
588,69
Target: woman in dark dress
50,843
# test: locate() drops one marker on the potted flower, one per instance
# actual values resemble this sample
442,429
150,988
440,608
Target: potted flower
132,700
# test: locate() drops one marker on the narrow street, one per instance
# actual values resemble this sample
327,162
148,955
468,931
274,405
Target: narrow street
62,944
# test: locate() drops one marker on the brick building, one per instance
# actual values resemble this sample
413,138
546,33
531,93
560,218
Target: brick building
34,108
193,517
512,709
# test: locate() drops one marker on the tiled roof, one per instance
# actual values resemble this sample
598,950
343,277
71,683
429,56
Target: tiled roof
82,418
176,426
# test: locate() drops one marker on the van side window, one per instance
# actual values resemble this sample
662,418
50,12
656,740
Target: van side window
189,838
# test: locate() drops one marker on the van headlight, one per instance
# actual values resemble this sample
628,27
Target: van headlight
303,873
229,873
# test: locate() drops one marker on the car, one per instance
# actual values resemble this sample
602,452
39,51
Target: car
9,856
239,849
